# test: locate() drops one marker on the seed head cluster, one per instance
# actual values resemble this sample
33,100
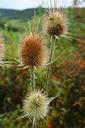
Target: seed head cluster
32,50
56,24
36,105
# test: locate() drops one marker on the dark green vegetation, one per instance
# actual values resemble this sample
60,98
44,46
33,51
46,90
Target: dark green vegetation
67,75
20,14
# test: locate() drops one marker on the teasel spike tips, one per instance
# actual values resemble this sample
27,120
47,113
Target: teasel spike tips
30,30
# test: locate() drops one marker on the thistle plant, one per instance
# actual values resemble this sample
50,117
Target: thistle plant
36,105
32,50
32,53
56,24
56,28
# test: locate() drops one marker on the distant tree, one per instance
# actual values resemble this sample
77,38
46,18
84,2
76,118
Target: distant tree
40,10
77,2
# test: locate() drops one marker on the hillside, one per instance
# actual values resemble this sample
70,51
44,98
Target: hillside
28,13
16,14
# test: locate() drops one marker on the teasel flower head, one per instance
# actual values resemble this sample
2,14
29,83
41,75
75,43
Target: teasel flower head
32,51
57,24
36,105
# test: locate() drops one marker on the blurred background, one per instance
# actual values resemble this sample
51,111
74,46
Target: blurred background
67,74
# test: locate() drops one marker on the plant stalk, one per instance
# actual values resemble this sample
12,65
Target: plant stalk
33,77
34,124
52,47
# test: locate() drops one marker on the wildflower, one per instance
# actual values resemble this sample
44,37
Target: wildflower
36,105
56,24
56,27
49,123
77,104
32,51
25,74
82,64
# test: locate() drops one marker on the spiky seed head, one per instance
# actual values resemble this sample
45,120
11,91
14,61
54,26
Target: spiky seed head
36,105
56,24
32,50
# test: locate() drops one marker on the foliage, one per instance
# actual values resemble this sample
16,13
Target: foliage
67,110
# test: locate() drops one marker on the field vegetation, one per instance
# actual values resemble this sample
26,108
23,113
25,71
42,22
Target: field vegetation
67,75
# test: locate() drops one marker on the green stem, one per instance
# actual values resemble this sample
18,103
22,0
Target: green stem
33,85
34,124
52,47
33,77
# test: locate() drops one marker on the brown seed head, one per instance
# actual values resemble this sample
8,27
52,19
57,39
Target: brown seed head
56,24
32,51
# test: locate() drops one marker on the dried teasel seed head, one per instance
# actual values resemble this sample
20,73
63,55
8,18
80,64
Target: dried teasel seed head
32,52
36,105
56,24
